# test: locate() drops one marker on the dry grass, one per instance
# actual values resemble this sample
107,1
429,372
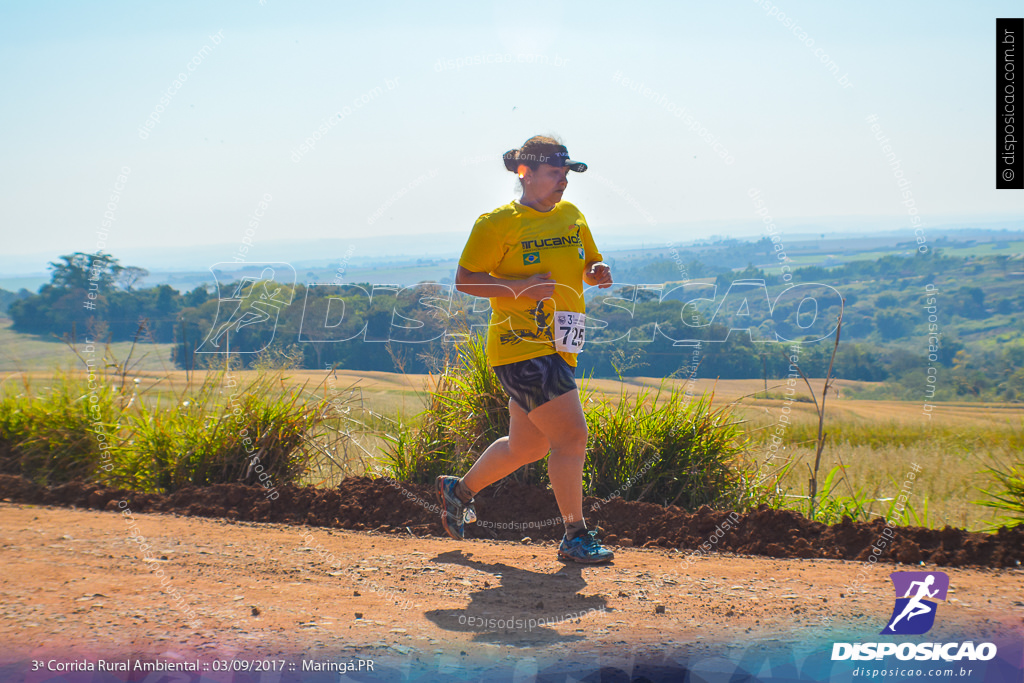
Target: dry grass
945,486
878,441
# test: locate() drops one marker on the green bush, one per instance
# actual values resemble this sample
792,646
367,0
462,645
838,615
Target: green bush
216,437
659,446
110,433
50,436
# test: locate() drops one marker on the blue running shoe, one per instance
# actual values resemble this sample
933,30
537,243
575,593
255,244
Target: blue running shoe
454,513
584,548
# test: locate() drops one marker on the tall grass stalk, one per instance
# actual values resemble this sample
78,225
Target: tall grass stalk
812,483
1006,494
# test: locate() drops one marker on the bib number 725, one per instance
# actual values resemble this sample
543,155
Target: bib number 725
569,331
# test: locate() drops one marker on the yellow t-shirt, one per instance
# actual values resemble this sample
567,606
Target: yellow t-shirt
514,242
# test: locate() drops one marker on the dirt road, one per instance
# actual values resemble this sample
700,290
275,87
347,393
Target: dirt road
76,585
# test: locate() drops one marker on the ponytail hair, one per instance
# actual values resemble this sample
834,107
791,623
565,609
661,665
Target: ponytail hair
510,160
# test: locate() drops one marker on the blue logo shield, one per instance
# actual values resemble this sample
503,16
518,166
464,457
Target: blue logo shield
913,613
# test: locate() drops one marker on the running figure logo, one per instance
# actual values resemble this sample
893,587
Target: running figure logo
254,301
914,613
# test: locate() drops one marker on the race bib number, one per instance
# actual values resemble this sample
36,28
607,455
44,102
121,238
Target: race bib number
569,331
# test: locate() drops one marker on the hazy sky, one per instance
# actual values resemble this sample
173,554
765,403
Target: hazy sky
422,151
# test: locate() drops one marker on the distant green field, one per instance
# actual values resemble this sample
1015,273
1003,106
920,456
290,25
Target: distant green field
873,255
25,352
1012,248
986,249
812,260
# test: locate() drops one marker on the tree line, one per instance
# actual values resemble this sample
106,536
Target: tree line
721,329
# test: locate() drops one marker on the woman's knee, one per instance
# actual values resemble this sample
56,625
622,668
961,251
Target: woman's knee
529,450
570,438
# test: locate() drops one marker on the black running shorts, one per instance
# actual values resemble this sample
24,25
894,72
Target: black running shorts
536,381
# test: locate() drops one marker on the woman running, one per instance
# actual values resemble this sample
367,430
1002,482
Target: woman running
531,258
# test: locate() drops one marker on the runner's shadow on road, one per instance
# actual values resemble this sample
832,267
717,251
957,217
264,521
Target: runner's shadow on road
519,607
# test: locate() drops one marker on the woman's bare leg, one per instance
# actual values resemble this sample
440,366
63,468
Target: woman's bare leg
523,445
562,423
558,426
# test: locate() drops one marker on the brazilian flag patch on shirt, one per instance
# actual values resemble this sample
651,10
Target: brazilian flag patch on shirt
531,257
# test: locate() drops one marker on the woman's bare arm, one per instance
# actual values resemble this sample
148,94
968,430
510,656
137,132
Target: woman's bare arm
535,287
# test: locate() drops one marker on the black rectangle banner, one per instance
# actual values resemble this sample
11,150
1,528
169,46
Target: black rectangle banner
1009,132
